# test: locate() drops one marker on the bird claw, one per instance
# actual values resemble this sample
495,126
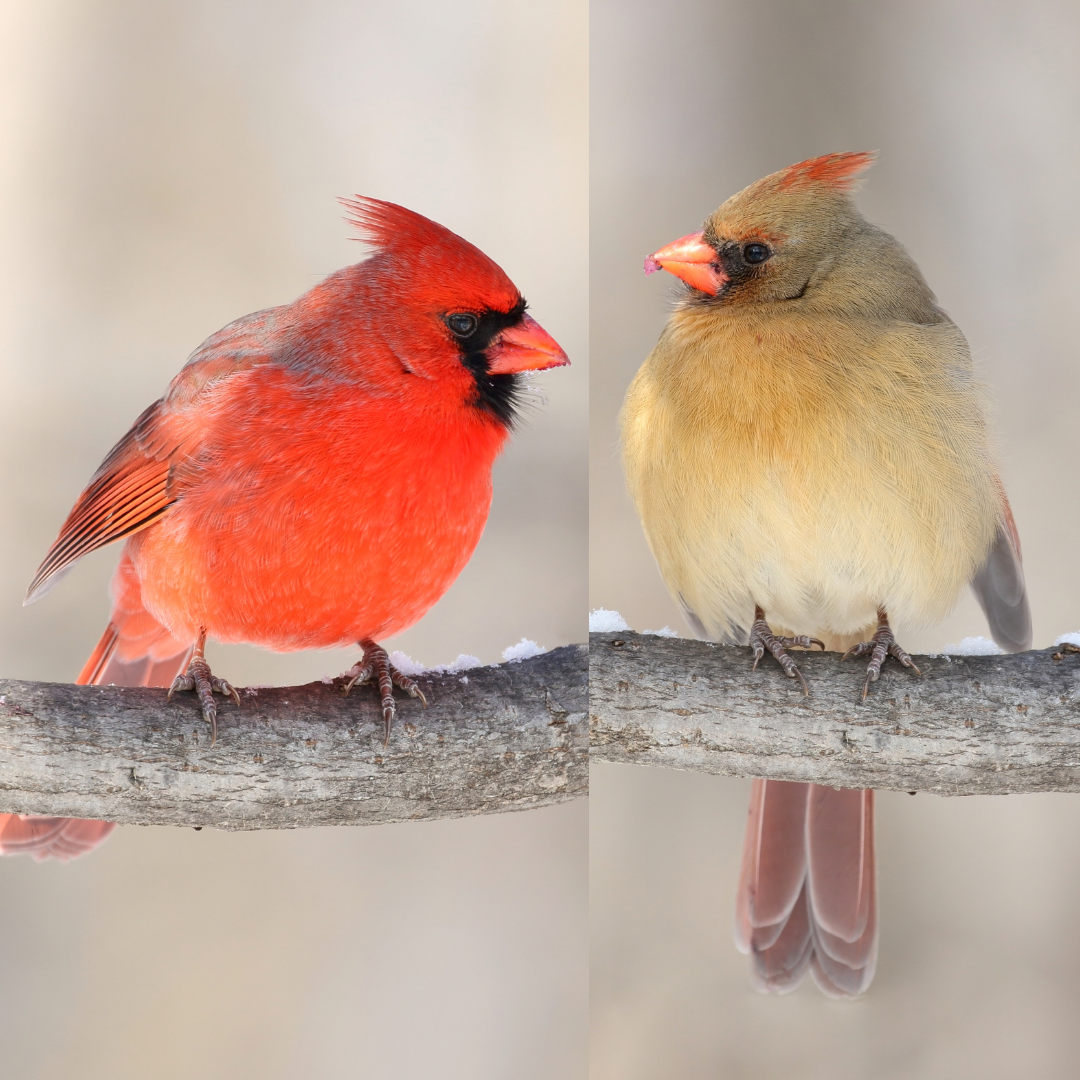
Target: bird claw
376,664
882,644
762,638
206,684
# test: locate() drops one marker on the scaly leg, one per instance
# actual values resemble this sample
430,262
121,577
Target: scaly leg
762,638
199,678
376,664
882,644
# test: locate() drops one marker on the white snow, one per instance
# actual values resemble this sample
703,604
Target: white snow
602,621
1068,639
975,646
664,631
523,650
408,666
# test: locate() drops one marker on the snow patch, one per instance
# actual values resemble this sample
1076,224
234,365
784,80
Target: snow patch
602,621
523,650
975,646
1068,639
408,666
664,631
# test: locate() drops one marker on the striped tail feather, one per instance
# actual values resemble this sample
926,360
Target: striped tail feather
135,650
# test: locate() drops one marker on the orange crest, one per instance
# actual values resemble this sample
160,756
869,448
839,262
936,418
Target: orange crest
838,171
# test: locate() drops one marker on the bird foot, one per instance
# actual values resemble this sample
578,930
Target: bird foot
882,644
1063,648
199,678
762,638
376,665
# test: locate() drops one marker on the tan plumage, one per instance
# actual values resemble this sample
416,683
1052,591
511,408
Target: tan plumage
808,438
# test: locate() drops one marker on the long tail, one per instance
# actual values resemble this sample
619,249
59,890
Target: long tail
135,650
807,893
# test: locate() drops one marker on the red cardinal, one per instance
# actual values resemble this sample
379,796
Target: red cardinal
807,447
316,476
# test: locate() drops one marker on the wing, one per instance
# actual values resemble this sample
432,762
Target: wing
138,483
999,587
128,492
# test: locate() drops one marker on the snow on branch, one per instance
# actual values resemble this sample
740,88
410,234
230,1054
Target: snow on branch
970,725
508,737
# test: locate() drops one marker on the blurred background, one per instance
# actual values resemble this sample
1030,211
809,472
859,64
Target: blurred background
974,109
164,169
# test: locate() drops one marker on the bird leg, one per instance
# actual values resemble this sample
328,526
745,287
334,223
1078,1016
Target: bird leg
198,677
882,644
376,664
762,638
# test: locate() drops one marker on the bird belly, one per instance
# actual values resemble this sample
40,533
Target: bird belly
818,523
321,542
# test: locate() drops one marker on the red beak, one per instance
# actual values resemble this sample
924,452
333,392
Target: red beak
525,347
691,259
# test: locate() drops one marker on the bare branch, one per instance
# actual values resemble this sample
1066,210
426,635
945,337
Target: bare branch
496,738
969,725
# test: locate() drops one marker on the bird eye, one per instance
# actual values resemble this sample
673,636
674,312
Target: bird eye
462,324
755,253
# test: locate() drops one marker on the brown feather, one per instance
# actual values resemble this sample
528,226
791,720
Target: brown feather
810,440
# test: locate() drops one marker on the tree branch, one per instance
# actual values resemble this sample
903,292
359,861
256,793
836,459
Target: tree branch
495,738
969,725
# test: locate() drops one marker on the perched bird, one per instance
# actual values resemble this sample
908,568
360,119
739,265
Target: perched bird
316,476
807,449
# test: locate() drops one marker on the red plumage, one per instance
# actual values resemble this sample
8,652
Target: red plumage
318,473
838,171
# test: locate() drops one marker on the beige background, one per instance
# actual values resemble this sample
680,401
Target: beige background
975,109
165,168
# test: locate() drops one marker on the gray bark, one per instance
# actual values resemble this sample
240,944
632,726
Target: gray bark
968,725
495,738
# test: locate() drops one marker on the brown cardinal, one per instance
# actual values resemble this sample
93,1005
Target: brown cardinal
316,476
807,448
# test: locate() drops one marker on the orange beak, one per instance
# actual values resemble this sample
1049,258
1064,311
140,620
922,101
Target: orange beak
525,347
691,259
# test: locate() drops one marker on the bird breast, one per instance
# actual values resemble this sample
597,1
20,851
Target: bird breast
820,470
313,520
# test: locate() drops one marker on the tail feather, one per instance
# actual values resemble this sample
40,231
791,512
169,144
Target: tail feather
135,650
807,893
780,964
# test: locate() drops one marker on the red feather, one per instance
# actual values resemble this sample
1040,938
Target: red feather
316,475
838,171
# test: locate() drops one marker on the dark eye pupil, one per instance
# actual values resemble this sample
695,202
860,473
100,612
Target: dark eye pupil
755,253
462,325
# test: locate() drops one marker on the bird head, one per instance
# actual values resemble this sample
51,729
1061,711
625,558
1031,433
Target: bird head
772,240
449,313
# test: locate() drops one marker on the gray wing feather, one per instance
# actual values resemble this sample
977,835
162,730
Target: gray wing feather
999,587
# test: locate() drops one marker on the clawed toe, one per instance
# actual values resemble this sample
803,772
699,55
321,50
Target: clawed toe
762,638
376,665
206,684
882,644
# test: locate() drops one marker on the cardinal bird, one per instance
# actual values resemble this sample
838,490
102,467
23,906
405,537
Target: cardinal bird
316,476
807,449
